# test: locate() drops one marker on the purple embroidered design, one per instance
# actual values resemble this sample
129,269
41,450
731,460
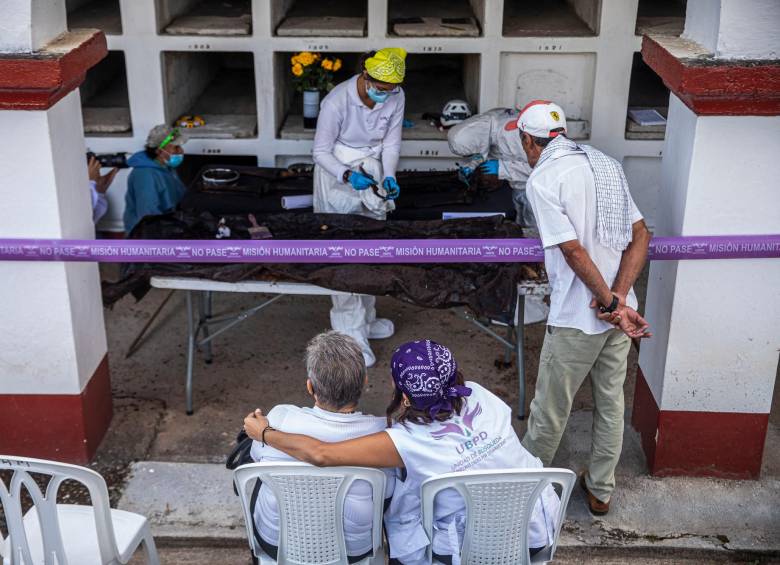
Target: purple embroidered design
453,428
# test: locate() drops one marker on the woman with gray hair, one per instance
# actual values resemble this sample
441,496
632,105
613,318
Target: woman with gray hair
336,374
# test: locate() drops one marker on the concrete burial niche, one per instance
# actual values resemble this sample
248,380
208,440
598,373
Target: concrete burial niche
98,14
204,17
431,82
289,103
105,105
646,92
319,18
566,78
218,87
435,18
660,17
551,18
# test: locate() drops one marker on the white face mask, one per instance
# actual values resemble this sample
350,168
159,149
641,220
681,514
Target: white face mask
377,95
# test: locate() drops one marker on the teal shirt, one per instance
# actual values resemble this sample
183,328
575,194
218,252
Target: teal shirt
152,189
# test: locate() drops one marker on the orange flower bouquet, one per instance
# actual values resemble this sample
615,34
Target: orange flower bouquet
312,71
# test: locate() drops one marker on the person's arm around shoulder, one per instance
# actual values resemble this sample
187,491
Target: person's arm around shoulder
261,451
375,450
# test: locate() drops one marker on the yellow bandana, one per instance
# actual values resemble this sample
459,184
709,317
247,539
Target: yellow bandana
388,65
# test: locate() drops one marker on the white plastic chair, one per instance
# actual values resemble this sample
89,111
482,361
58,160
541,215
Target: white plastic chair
311,510
498,509
66,534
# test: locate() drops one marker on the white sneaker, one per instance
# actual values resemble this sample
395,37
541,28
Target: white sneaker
381,328
368,357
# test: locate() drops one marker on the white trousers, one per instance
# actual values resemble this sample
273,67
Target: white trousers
352,315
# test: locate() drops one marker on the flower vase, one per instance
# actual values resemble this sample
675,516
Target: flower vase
311,108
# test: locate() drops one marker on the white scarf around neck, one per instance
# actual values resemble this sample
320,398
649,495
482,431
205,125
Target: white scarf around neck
613,200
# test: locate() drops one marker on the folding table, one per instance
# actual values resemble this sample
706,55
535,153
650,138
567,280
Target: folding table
199,294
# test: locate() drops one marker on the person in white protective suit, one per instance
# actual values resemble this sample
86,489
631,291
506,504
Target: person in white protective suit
487,144
356,150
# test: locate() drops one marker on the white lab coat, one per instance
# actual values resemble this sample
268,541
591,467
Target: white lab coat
350,135
450,446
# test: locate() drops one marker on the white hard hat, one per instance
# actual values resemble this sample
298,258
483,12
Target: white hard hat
540,118
454,112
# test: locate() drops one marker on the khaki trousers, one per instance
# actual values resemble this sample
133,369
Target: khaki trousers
568,355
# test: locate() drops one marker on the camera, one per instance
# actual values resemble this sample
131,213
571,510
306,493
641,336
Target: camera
118,160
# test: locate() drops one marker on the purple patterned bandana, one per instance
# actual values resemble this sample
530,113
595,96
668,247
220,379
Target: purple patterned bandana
425,371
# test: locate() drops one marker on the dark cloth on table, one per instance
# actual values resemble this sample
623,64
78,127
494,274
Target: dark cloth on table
425,195
488,289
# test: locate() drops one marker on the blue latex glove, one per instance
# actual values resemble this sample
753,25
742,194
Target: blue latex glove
464,175
490,167
360,181
391,186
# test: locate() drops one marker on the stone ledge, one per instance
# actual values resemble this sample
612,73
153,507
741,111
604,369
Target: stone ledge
36,81
710,86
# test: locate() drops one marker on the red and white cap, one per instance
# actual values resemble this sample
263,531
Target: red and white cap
539,118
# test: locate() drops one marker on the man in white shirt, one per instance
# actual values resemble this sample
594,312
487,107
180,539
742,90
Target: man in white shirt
336,375
595,245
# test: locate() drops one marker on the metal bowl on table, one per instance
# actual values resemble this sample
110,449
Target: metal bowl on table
219,177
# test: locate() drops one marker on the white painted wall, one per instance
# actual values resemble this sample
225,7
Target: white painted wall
723,343
53,333
749,29
644,181
17,35
735,29
702,23
715,338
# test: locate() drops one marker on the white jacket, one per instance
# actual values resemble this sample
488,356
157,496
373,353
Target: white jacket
484,134
450,446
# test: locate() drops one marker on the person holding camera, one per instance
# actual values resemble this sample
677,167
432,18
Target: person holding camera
154,187
98,185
